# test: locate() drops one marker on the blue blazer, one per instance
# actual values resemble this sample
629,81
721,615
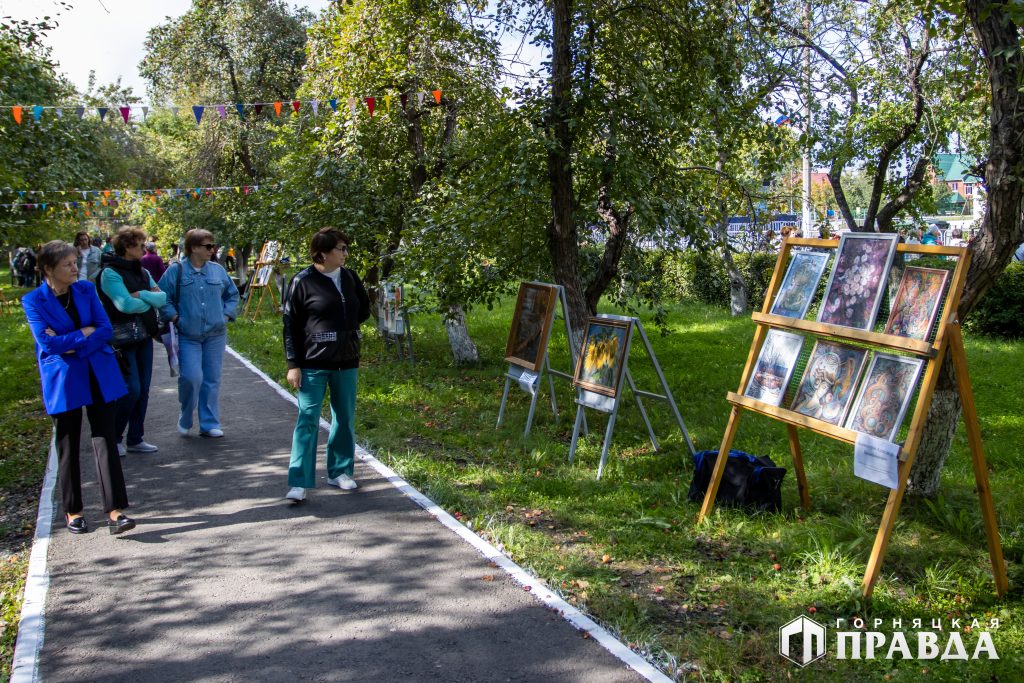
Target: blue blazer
65,375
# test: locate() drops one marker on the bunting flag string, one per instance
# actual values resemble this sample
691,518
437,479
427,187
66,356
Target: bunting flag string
129,112
92,200
121,193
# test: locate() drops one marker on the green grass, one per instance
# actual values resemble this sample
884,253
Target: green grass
627,548
24,438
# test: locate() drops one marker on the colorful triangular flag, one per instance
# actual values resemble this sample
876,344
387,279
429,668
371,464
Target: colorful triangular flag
334,104
352,104
79,112
126,112
277,107
387,103
295,105
145,113
103,112
370,102
37,112
16,112
240,108
315,105
197,110
222,111
437,96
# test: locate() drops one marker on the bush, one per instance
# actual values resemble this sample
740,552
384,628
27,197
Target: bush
1000,313
701,276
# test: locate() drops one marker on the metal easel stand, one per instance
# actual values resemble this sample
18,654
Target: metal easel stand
530,381
610,405
401,342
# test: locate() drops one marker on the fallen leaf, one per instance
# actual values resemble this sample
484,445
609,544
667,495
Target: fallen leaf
606,559
488,577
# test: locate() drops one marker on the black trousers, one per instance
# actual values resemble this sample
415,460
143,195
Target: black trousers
68,427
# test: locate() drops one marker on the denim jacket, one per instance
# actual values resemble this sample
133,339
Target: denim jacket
203,300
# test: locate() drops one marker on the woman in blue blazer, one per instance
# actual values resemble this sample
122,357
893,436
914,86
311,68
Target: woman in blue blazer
78,369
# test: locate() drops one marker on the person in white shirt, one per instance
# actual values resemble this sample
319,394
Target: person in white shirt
88,258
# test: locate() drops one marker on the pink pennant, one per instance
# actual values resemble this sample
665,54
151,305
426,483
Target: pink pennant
370,102
295,105
126,113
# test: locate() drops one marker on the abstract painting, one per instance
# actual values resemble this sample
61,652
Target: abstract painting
800,283
858,278
917,302
600,365
531,325
827,386
884,395
774,366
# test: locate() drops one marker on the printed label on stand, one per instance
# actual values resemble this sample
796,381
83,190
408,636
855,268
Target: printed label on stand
876,460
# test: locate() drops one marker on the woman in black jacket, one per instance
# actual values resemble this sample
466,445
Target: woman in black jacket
323,309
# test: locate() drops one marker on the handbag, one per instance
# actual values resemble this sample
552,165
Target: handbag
749,481
128,333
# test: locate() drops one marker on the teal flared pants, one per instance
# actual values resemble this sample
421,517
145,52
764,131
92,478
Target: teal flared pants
341,444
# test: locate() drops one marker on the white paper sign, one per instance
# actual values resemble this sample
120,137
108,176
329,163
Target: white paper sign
527,381
876,460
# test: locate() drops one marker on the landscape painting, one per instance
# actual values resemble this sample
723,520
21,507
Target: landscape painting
774,366
801,281
531,325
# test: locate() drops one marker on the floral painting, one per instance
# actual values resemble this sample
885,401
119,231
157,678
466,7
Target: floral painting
858,279
884,395
800,283
827,386
531,325
774,366
917,302
603,358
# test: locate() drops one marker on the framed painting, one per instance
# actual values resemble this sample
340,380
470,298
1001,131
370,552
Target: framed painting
858,279
774,366
827,386
799,284
917,300
271,250
390,315
263,276
531,325
599,367
884,395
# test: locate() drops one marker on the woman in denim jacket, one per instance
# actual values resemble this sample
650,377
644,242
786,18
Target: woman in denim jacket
201,299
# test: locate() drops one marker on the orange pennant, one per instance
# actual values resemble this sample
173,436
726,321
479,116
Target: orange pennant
106,193
437,96
17,114
277,108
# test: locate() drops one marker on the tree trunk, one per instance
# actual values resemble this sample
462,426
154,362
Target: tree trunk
738,301
463,349
563,239
1002,224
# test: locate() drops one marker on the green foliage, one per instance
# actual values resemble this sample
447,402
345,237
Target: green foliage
1000,313
700,277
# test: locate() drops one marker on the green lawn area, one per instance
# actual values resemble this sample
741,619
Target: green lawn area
24,441
627,548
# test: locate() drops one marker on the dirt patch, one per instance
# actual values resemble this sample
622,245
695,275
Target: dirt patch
18,509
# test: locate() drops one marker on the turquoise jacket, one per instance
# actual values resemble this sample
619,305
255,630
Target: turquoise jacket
204,300
114,287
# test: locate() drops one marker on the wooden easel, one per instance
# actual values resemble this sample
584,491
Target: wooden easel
948,339
262,279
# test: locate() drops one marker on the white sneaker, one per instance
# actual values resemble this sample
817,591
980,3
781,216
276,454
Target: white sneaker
182,430
343,481
296,493
121,450
212,433
142,447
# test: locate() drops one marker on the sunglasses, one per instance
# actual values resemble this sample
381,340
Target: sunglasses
211,247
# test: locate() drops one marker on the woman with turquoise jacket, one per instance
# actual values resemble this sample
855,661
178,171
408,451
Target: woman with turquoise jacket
132,301
201,299
78,370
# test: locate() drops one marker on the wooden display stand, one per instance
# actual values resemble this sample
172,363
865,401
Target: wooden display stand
948,339
262,279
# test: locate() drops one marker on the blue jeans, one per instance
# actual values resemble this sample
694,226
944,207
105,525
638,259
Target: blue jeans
137,369
341,444
201,361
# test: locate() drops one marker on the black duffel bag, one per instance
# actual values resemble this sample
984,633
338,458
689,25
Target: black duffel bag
749,481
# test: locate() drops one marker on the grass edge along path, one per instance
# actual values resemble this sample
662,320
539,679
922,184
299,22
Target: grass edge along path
25,433
703,602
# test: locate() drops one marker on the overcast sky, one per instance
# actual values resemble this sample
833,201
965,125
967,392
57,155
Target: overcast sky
107,36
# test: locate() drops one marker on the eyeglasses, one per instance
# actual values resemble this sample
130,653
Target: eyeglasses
211,247
343,247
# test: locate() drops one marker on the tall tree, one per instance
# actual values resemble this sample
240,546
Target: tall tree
229,51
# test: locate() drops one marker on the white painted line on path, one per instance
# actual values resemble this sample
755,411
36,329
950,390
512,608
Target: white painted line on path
31,631
536,587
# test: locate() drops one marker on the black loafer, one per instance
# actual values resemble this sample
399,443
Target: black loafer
121,524
78,525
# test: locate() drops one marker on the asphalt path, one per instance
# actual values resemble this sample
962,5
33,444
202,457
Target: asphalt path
224,580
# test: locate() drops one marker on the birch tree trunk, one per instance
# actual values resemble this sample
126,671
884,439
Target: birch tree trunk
463,349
